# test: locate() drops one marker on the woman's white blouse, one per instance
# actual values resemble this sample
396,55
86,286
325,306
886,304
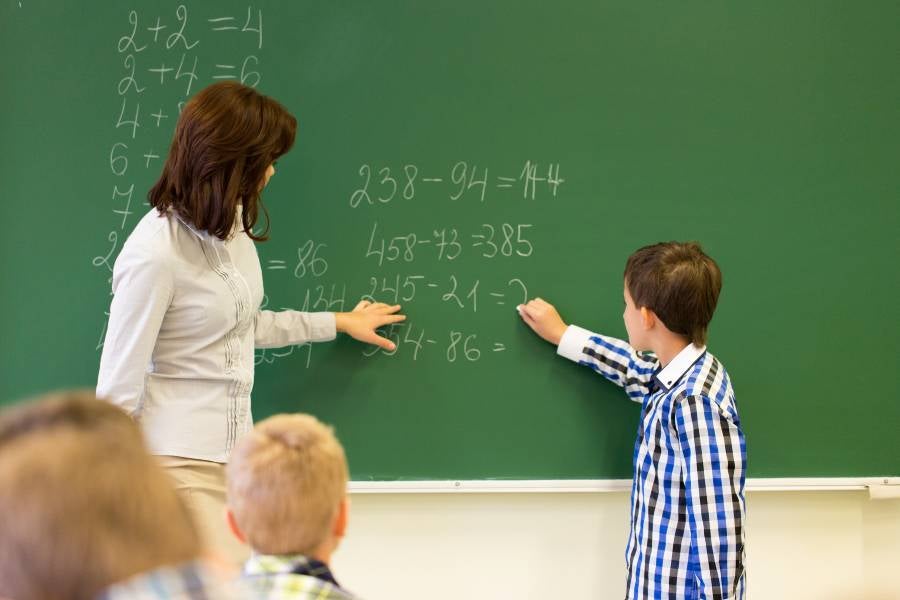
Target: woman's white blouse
184,321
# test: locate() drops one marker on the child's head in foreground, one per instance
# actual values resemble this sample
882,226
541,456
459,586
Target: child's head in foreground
82,503
678,283
287,487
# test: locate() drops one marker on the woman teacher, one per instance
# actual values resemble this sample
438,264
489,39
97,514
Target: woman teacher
185,315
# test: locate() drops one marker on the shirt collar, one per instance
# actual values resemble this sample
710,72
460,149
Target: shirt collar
669,376
297,564
200,234
204,235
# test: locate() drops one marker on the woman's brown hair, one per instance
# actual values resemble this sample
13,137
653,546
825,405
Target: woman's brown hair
225,140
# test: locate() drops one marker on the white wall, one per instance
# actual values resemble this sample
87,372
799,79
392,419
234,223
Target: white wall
549,546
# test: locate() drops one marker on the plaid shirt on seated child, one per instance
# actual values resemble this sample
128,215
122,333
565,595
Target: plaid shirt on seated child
189,581
291,577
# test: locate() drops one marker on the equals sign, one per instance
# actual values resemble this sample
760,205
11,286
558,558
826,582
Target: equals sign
221,27
499,347
498,295
276,264
507,182
226,75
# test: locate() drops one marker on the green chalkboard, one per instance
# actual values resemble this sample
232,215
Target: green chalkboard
460,156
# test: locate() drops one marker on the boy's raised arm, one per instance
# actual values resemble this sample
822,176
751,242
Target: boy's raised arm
613,358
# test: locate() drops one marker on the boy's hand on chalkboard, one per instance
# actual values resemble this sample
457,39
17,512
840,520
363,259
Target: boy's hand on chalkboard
542,317
365,319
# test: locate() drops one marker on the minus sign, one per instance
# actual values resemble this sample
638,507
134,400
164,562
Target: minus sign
431,341
432,285
432,179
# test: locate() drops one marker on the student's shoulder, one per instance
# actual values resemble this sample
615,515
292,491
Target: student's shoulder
705,377
708,381
187,581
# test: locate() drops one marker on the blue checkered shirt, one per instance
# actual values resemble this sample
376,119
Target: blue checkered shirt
687,497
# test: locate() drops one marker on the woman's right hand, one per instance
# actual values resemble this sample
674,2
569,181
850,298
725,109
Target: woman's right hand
366,317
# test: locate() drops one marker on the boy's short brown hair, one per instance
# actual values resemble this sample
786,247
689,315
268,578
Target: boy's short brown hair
678,282
286,480
82,503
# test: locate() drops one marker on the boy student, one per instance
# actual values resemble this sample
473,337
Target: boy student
687,498
83,506
287,499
